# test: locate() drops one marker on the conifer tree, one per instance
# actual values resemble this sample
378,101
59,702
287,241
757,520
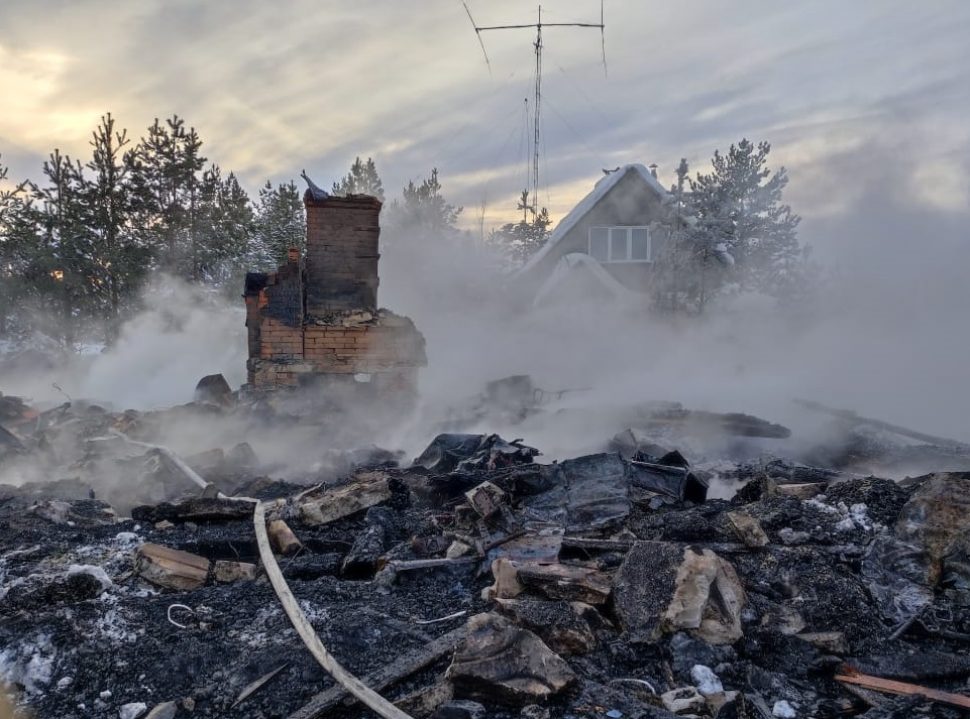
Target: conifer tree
62,265
423,211
280,224
11,254
166,171
520,240
361,180
732,229
226,228
119,262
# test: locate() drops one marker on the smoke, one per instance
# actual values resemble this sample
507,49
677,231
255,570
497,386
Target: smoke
181,333
883,335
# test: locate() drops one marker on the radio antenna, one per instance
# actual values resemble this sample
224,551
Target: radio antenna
537,44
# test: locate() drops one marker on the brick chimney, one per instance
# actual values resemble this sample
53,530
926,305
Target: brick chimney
341,253
315,321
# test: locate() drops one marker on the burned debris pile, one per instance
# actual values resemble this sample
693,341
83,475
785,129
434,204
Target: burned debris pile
478,580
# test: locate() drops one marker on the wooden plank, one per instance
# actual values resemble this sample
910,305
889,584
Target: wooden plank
890,686
606,545
399,669
368,489
171,568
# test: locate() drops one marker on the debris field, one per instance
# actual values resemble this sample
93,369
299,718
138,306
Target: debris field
476,580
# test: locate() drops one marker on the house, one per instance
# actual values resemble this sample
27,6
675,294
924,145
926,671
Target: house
608,244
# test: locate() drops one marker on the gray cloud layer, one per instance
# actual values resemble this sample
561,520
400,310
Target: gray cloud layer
273,88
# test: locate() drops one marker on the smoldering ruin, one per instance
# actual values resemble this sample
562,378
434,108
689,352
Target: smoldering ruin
697,563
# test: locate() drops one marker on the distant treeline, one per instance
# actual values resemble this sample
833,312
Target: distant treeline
77,246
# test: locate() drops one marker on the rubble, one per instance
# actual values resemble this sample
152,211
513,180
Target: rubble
171,568
477,581
501,662
566,627
327,505
214,389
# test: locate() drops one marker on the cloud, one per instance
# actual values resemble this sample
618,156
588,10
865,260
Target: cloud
303,83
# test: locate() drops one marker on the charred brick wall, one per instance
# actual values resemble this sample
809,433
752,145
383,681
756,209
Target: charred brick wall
384,344
342,253
316,318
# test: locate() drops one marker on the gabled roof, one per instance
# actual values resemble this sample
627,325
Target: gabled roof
600,190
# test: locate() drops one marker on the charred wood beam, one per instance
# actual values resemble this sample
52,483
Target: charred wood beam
890,686
401,668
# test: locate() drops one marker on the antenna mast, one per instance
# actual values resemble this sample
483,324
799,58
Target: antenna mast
537,44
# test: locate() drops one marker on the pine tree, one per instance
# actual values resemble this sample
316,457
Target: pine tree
62,267
683,169
423,212
226,228
733,227
279,225
119,261
166,170
361,180
11,254
520,240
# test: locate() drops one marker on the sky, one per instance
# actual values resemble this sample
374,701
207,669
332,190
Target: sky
864,102
849,94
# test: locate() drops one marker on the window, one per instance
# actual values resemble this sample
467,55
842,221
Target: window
620,244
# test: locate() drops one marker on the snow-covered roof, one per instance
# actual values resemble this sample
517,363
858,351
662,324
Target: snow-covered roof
569,265
599,191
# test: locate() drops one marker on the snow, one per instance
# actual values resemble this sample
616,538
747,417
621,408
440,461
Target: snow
132,710
112,624
96,572
127,538
821,506
722,254
860,515
599,191
789,536
705,680
30,663
784,710
90,348
852,518
575,262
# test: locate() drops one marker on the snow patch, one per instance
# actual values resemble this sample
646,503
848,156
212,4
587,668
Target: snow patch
30,663
784,710
113,626
127,539
706,680
96,572
314,613
789,536
132,710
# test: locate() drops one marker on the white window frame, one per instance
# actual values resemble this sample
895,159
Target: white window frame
629,244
